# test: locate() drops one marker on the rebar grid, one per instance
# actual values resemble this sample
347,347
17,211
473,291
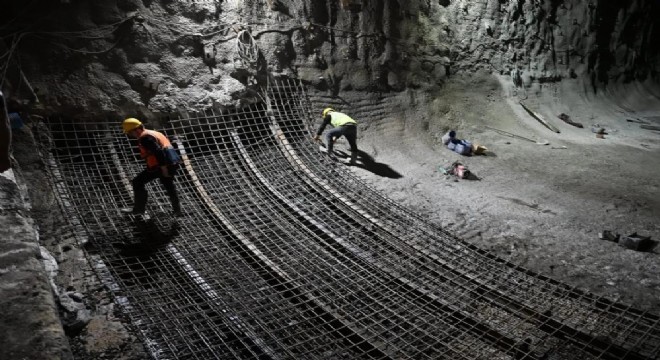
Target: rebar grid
283,254
572,307
296,215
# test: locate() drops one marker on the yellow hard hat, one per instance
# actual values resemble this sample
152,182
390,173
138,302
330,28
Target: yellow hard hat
326,111
130,124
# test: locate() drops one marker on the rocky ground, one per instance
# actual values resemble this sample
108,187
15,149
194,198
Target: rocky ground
25,294
540,206
401,68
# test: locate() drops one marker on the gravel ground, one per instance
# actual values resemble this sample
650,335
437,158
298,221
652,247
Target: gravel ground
541,206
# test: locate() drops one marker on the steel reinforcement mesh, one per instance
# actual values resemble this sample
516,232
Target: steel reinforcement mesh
284,254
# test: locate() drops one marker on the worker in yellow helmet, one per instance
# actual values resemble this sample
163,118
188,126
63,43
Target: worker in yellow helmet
343,125
162,163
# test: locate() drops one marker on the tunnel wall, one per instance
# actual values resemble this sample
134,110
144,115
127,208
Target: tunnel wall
31,326
146,57
149,56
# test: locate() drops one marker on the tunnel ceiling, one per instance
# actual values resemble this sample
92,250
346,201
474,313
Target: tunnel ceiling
128,56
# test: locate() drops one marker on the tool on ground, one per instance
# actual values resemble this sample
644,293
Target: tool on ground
539,117
502,132
567,119
650,127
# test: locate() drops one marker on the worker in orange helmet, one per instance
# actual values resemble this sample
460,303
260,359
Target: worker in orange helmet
162,163
343,125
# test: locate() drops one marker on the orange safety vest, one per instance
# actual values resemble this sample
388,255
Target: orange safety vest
162,140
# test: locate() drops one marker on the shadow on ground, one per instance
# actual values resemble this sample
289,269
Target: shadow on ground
367,162
148,237
650,246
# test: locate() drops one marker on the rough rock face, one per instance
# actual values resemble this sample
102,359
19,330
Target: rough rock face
134,57
25,294
87,314
602,41
91,59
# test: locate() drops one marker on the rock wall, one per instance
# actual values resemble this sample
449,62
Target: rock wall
91,59
139,56
30,327
600,41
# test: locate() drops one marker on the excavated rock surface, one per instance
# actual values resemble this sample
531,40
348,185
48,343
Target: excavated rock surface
153,56
86,311
31,328
372,58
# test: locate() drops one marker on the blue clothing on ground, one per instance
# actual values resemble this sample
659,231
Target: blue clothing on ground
462,147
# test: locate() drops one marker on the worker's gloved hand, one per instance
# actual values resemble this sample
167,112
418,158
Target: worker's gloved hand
316,138
165,171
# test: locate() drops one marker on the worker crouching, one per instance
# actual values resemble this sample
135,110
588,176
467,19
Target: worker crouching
162,163
343,125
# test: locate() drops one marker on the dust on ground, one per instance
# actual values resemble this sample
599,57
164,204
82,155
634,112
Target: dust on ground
540,206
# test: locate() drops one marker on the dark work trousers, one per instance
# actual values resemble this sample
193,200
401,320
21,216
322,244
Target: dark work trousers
149,175
350,132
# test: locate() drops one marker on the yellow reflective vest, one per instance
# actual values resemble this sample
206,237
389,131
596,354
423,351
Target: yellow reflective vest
338,119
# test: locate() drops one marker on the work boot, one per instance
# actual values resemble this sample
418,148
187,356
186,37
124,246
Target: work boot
353,159
176,205
130,211
323,149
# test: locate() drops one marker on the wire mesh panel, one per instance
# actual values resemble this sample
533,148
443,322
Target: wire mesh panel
568,318
283,254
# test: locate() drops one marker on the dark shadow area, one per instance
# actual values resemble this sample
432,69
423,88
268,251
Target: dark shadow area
472,176
649,246
632,242
487,153
149,237
367,162
638,242
137,258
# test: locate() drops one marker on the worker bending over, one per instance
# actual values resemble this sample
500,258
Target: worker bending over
162,163
343,125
